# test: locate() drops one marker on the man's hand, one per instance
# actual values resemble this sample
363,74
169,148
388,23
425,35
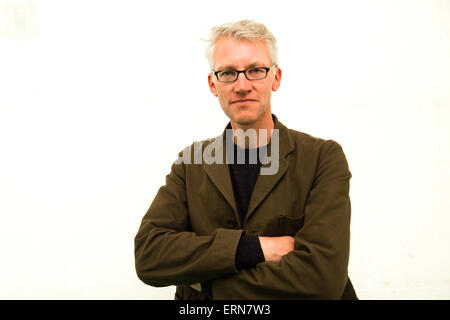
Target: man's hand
275,247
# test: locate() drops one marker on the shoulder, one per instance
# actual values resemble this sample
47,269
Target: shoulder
195,152
326,156
309,143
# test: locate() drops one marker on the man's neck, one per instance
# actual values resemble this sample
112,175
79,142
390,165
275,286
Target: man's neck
254,135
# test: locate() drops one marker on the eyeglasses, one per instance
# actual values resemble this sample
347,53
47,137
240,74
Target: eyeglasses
252,73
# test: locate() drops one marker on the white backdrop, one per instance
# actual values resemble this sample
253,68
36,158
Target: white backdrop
94,106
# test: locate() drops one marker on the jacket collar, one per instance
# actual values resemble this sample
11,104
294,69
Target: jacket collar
220,173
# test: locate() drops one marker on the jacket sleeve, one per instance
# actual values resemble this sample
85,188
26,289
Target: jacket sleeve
167,252
317,267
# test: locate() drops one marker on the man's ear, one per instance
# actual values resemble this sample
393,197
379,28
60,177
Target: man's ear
212,85
277,79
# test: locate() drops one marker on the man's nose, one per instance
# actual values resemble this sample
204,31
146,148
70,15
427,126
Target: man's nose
242,84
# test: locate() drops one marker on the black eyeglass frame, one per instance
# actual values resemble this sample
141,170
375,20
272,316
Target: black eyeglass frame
243,71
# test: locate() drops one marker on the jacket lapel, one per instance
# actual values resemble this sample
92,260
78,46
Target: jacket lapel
219,173
265,183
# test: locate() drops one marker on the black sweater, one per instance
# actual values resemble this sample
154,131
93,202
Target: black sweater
243,179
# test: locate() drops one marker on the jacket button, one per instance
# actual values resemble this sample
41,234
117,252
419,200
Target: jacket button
231,224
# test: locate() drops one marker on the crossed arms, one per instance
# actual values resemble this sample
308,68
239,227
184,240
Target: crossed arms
312,264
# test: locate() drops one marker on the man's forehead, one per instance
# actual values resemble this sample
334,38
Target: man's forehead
256,63
240,53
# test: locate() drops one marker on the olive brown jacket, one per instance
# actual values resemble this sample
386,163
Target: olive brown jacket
191,231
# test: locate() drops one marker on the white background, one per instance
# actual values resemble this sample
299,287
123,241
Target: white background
98,97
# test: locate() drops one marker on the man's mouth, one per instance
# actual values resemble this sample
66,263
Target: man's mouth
243,101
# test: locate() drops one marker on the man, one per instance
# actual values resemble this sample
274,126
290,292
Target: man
229,230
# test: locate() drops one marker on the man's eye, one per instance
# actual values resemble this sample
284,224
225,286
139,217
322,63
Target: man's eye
255,71
227,73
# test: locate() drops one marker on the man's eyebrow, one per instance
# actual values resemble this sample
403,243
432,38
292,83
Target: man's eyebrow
253,64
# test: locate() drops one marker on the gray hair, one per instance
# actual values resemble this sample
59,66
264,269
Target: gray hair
244,29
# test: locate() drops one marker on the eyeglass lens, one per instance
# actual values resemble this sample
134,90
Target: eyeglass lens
251,74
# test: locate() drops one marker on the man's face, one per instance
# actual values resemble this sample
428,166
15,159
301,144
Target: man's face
246,103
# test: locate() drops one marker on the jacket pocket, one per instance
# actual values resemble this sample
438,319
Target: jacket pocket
289,226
